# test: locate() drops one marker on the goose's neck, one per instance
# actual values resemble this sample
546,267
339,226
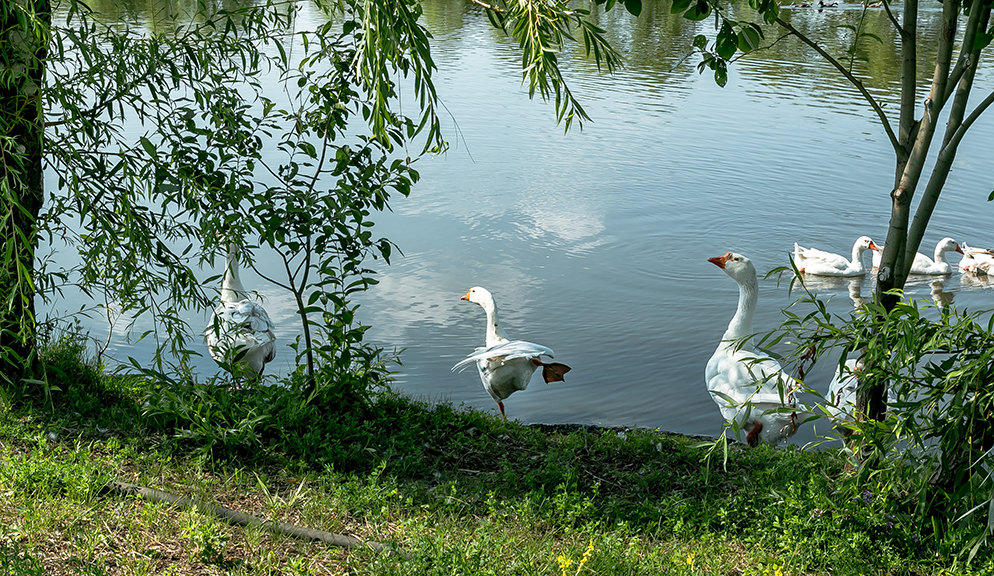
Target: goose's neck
857,255
939,256
495,334
232,289
741,324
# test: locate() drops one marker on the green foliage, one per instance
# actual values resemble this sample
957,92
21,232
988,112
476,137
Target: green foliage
16,561
542,29
169,144
461,490
927,462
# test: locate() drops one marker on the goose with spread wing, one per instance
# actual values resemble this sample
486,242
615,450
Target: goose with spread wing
240,337
505,365
821,263
749,387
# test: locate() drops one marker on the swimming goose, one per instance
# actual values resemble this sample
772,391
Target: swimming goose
979,261
821,263
935,266
240,336
506,366
749,387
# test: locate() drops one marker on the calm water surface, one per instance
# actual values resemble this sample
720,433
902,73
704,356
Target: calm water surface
595,242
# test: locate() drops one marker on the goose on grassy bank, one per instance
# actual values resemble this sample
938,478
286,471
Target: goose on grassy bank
240,335
505,365
749,387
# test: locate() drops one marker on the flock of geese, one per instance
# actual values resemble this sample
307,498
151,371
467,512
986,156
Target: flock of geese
749,387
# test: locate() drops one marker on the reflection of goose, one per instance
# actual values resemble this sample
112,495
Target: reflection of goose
977,280
506,366
935,266
979,261
749,387
856,292
821,263
875,4
822,4
240,335
942,297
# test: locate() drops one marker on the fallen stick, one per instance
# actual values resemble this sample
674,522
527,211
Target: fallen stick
242,519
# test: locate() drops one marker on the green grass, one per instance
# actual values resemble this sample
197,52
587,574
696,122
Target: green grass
461,492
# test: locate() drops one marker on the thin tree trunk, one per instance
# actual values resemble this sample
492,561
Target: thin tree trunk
24,31
916,138
979,18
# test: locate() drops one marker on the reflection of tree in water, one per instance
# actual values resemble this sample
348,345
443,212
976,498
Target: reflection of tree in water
876,63
656,45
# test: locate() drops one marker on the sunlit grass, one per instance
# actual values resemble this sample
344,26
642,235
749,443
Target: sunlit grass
458,492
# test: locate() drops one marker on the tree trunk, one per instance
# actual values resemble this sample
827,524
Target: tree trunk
915,140
24,32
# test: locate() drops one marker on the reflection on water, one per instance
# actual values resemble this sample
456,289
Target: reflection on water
596,242
942,297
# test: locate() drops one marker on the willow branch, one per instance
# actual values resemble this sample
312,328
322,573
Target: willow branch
852,80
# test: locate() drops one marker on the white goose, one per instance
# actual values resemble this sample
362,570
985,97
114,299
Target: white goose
841,406
935,266
240,335
979,261
749,387
820,263
506,366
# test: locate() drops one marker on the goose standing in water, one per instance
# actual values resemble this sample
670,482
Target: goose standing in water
822,263
749,387
240,335
506,366
935,266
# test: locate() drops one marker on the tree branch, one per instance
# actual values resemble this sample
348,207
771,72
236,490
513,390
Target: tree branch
965,125
909,77
856,82
241,519
893,19
488,6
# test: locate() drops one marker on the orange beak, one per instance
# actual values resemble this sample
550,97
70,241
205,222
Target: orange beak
960,250
873,246
465,296
719,261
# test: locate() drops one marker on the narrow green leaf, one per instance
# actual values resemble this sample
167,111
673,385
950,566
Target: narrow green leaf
148,146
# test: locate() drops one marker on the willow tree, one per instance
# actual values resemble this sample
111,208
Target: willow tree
162,139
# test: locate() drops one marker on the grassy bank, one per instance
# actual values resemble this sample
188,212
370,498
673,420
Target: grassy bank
459,492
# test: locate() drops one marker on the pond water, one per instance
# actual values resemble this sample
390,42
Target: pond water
595,242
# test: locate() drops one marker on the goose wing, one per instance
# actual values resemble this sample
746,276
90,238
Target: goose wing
504,352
